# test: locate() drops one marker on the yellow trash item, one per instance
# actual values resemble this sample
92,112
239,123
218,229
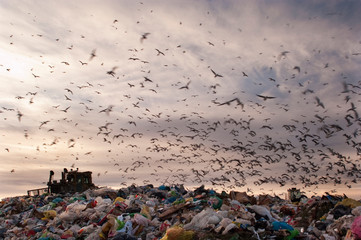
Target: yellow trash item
50,214
145,211
349,202
119,199
178,233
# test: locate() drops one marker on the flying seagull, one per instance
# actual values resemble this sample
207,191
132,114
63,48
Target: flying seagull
92,54
265,97
216,74
107,110
144,36
19,115
232,100
111,72
186,86
319,103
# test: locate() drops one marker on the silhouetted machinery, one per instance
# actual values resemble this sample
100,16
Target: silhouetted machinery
295,194
71,181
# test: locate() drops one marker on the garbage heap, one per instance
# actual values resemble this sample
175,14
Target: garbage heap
174,213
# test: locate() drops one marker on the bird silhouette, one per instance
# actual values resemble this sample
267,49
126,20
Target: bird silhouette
146,79
319,103
107,110
232,100
112,72
19,115
159,52
43,123
265,97
186,86
68,90
216,74
92,54
65,110
144,36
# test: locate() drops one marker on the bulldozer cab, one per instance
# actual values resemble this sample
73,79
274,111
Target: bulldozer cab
295,194
71,181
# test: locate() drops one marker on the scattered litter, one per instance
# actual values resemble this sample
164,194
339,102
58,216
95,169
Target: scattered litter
173,213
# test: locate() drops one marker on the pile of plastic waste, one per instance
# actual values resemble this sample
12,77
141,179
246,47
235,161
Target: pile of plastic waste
174,213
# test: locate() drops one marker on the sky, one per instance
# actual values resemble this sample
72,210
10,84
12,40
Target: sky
255,96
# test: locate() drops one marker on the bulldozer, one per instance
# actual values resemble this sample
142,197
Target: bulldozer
71,181
295,195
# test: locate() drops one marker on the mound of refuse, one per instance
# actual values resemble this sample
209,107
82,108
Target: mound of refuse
174,213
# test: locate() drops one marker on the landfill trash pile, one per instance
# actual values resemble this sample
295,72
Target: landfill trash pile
174,213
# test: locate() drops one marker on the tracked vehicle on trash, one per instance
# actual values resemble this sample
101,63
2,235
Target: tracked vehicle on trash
71,181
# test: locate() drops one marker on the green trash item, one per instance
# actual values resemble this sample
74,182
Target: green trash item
120,224
215,202
292,235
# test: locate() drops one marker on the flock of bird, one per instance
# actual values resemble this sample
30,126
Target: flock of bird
232,140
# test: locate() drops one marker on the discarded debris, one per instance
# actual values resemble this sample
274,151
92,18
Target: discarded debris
173,213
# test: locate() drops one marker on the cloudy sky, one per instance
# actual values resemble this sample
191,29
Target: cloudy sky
236,95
